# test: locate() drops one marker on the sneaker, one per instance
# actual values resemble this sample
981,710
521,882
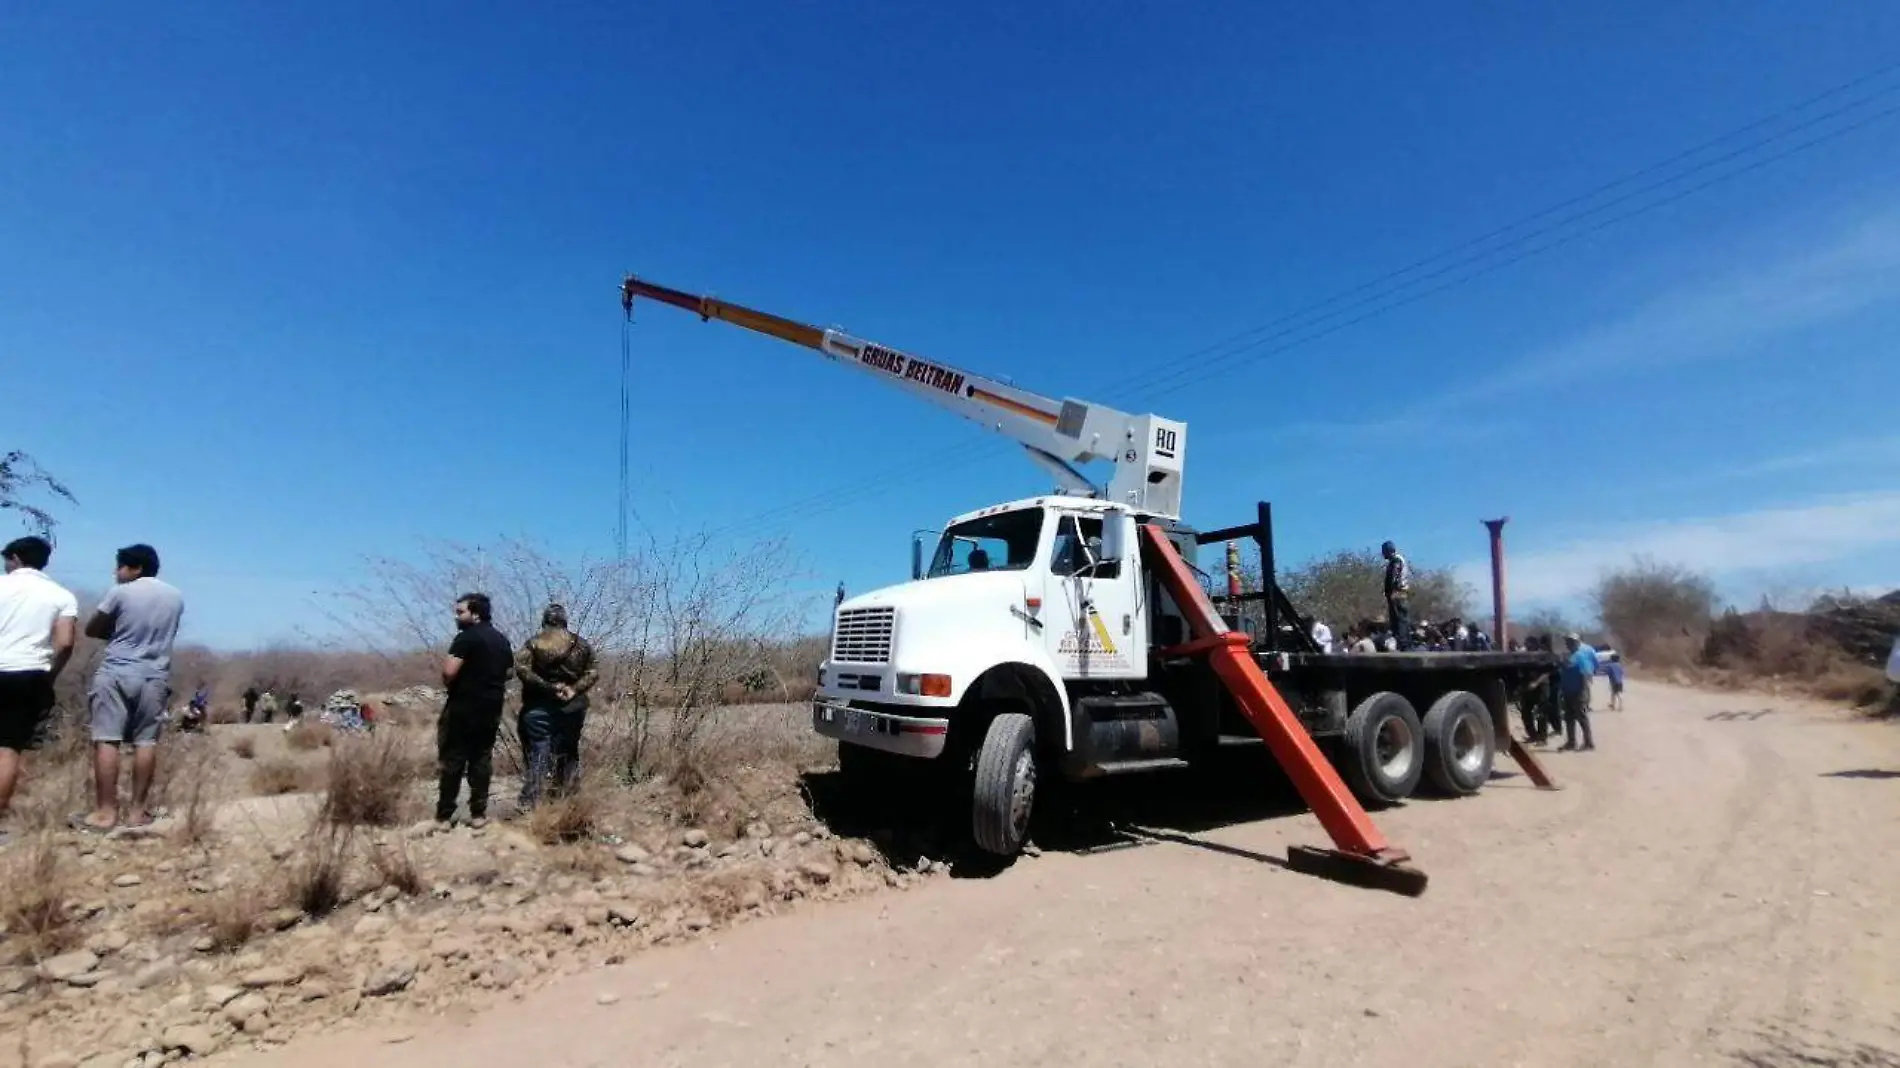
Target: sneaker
1567,747
476,823
1587,746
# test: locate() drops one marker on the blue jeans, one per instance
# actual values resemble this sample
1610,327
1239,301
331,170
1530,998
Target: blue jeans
550,742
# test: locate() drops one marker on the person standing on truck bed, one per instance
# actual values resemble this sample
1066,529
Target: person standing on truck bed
1578,672
1398,587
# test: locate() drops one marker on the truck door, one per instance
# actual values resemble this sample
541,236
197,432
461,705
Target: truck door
1098,627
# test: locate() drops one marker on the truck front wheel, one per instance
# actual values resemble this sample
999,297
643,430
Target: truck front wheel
1005,787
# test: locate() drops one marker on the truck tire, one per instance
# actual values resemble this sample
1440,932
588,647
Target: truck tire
1005,787
1382,753
1460,743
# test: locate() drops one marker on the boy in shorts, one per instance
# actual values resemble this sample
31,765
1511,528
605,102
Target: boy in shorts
138,621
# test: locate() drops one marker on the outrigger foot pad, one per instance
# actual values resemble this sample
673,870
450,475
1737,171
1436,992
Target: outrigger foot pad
1374,873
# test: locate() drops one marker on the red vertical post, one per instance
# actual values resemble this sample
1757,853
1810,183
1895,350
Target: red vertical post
1500,626
1500,637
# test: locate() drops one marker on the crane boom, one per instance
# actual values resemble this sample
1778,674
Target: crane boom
1147,450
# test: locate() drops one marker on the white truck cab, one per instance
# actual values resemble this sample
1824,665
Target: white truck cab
1024,596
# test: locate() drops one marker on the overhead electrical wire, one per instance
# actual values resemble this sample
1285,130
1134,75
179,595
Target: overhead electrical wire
1250,345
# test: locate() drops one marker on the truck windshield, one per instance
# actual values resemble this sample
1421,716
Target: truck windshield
1003,542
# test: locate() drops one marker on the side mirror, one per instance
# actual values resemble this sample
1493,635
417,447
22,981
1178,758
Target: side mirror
1118,534
917,552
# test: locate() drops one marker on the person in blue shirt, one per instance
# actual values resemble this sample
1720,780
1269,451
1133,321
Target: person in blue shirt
1614,672
1578,672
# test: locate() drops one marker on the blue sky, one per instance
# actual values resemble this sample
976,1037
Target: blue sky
280,289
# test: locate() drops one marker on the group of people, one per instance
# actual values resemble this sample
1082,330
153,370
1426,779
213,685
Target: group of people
127,696
556,669
261,705
1398,633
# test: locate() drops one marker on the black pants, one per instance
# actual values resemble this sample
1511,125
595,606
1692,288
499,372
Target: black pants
1399,616
26,705
465,745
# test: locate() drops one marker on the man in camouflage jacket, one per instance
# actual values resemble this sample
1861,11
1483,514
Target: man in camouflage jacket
556,668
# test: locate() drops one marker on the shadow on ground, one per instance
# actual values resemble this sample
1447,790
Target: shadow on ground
914,825
1861,773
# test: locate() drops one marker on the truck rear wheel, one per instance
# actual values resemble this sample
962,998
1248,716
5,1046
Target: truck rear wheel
1005,788
1460,743
1382,754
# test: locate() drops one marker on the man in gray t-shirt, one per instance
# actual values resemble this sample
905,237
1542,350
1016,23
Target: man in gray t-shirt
138,621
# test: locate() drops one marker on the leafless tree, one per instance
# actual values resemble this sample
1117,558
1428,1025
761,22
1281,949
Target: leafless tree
20,475
677,624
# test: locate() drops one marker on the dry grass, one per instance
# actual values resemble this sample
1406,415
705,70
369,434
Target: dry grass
189,775
370,780
245,746
316,873
395,865
232,915
281,776
308,737
571,817
1781,651
36,892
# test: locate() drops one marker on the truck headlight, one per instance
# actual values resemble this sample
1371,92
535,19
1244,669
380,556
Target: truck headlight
923,685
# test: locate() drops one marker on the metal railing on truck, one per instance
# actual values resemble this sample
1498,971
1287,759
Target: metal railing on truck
1278,605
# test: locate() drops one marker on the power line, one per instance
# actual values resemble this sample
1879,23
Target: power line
1176,368
1208,369
1302,313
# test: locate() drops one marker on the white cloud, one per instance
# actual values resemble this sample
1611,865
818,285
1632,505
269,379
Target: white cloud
1719,546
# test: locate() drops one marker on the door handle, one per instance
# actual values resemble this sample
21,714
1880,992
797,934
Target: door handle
1128,623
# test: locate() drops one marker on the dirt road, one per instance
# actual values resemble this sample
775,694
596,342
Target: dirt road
1715,885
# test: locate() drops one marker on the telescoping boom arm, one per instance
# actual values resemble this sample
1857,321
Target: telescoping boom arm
1147,451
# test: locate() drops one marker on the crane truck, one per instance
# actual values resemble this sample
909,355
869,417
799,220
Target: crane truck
1069,635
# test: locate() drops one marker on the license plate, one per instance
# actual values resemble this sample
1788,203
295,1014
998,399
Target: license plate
853,721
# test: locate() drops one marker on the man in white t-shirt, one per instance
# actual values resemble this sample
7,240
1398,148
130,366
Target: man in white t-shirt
1322,636
38,625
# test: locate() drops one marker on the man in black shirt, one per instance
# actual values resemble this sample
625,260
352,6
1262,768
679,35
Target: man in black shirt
476,676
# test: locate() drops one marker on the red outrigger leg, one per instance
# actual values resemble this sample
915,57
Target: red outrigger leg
1363,856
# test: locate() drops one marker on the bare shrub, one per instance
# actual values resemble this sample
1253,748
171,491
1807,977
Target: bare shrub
245,747
395,865
370,780
1655,608
317,870
680,626
309,737
189,778
36,891
280,775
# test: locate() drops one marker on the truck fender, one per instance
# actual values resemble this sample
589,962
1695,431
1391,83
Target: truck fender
1036,685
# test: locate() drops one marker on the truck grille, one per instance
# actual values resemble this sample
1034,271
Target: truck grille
863,635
